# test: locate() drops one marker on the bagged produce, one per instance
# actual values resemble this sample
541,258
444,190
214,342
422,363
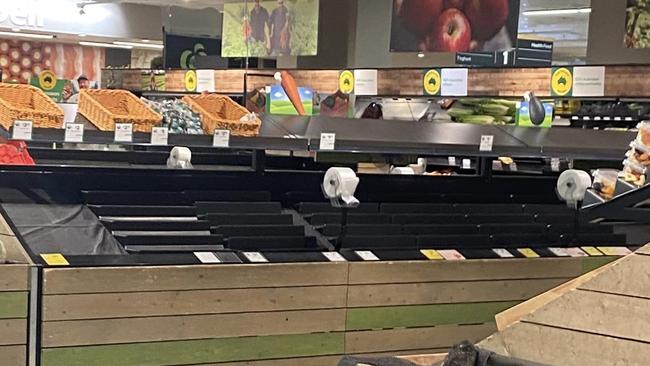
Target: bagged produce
177,116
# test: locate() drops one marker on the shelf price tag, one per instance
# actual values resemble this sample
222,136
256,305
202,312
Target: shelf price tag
22,130
367,255
123,132
503,253
555,164
221,138
467,164
334,257
55,259
431,254
486,143
452,160
327,141
451,255
207,257
255,257
159,136
74,132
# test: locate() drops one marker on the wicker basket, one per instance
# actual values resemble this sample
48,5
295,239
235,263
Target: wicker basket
221,112
105,108
26,102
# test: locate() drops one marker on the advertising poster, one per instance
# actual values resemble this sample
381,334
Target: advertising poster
454,25
153,80
637,22
181,52
270,28
282,105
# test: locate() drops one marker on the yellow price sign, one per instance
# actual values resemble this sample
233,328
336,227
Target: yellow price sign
346,82
190,80
528,253
592,251
562,81
431,254
55,259
47,80
432,82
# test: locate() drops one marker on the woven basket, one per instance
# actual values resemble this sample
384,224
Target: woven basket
220,112
105,108
26,102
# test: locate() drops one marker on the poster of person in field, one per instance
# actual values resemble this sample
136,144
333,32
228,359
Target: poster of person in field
270,28
637,22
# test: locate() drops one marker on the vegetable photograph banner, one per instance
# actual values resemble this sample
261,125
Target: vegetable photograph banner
637,22
454,25
270,28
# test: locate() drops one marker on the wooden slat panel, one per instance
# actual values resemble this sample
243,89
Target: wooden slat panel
424,315
13,355
133,330
14,278
302,361
629,276
414,339
13,305
197,351
13,332
553,346
145,304
447,292
609,315
623,81
132,279
471,270
406,354
509,82
229,81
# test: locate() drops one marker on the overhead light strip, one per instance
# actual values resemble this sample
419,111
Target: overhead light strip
104,45
152,46
572,11
26,35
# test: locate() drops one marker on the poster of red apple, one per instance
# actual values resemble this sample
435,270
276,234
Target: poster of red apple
454,25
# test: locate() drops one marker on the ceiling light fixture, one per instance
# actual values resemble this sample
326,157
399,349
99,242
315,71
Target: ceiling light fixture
104,45
26,35
152,46
571,11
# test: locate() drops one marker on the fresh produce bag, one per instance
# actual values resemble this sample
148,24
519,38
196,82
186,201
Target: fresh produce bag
15,153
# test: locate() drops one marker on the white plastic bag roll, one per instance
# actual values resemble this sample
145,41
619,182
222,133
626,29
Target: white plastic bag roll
572,186
340,184
402,171
180,158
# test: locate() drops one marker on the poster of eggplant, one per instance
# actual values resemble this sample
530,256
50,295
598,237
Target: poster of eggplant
270,28
454,25
637,34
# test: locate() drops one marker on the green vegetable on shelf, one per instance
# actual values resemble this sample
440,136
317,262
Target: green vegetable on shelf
494,109
457,112
477,119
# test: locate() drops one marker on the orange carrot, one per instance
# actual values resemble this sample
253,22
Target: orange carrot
289,85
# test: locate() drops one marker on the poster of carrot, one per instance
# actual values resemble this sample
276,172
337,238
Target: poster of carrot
637,23
270,28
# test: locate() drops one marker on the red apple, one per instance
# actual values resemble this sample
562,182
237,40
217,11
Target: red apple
419,16
487,17
453,32
458,4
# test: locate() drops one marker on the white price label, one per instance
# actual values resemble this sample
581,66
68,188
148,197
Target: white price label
555,164
486,143
560,252
334,257
367,255
221,138
159,136
451,255
22,130
467,164
123,132
503,253
327,141
74,132
255,257
452,160
207,257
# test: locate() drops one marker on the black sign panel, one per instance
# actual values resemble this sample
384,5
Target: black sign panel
182,52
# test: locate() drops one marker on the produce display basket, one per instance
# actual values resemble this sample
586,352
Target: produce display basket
26,102
105,108
221,112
